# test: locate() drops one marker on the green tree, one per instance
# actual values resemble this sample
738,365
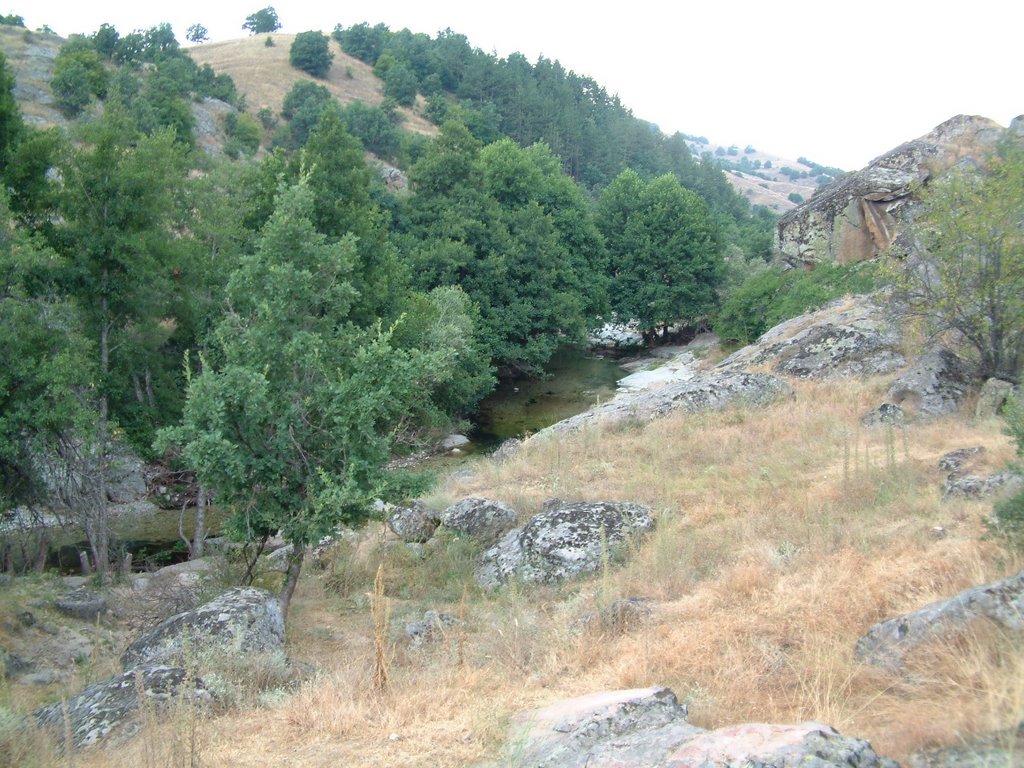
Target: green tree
296,409
664,251
116,210
311,53
197,33
11,125
263,20
78,76
967,275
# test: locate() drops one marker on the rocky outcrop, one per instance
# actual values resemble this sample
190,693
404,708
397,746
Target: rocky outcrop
978,487
616,335
415,523
244,620
935,385
887,644
862,214
563,541
992,397
482,520
85,604
432,626
107,711
709,391
846,338
647,727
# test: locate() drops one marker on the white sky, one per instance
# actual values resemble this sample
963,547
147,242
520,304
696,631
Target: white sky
839,83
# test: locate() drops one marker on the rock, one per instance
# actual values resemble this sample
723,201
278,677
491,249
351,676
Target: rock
454,441
647,727
955,461
562,542
107,710
415,523
74,582
998,750
26,618
992,397
935,385
431,627
615,335
507,449
709,391
861,215
885,414
12,666
887,643
975,487
126,475
244,620
82,604
482,520
852,337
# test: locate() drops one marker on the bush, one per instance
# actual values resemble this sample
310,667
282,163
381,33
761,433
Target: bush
311,53
796,197
1008,515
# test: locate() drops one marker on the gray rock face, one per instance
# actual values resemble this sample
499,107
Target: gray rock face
886,413
241,621
107,710
887,643
454,441
711,391
414,524
862,214
126,478
935,385
992,397
977,487
431,627
846,338
956,461
482,520
641,728
562,542
507,449
82,604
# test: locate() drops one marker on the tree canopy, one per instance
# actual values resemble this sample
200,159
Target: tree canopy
311,53
262,21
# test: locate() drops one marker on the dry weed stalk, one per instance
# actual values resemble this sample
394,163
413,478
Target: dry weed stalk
380,609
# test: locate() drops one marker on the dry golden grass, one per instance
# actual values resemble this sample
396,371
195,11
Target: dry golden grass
264,75
783,534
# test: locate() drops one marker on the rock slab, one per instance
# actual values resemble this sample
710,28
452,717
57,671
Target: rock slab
244,620
563,541
483,520
888,643
935,385
415,523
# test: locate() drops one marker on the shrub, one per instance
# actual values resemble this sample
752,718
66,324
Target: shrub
796,197
311,53
1008,515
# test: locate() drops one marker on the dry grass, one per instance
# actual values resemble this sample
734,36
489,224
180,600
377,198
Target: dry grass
264,75
783,534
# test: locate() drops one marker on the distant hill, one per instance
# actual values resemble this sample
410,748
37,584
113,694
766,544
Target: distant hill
30,55
263,74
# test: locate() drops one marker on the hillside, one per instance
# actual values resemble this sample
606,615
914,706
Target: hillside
30,55
262,73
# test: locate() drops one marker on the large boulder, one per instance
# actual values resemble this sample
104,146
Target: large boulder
482,520
861,215
563,541
992,397
415,523
108,710
851,337
935,385
244,620
709,391
887,643
647,727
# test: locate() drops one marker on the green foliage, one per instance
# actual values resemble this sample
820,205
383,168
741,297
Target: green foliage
11,125
773,295
12,20
311,53
968,275
1007,519
302,107
78,76
262,21
795,197
376,127
362,41
105,39
664,251
244,133
197,33
400,83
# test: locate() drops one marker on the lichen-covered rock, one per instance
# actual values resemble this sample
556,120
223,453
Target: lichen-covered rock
851,337
84,604
886,414
978,487
992,397
244,620
431,627
641,728
861,215
935,385
709,391
107,711
562,542
956,461
887,643
415,523
507,449
483,520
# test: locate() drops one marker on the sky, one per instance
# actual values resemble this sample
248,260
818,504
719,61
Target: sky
839,83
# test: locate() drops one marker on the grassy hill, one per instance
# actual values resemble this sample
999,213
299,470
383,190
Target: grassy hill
263,74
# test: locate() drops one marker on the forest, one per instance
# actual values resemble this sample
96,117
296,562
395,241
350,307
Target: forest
278,321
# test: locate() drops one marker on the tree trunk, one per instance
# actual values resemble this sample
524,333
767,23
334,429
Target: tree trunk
199,536
291,577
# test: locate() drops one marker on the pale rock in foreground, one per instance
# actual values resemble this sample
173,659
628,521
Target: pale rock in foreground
888,643
646,727
414,524
482,520
935,385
